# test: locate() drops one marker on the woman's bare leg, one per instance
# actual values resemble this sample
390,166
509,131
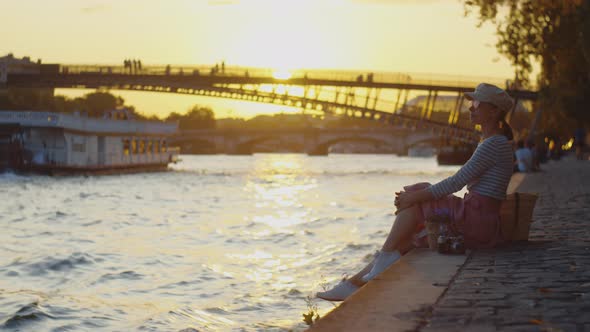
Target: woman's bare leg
403,229
356,279
399,238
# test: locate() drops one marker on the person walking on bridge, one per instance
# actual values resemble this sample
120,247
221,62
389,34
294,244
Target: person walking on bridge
476,216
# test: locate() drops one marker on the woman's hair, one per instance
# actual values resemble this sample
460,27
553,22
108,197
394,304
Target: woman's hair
507,130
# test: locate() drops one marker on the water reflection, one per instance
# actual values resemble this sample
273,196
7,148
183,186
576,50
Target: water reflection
277,184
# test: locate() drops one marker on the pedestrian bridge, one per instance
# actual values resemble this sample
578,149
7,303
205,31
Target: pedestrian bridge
386,97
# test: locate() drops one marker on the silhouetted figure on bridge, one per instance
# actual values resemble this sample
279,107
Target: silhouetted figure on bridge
139,65
129,66
359,78
223,67
167,70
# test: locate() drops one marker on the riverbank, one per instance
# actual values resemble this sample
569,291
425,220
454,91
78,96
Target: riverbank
540,285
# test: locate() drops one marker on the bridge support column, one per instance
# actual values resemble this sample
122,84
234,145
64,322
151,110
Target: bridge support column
311,143
232,146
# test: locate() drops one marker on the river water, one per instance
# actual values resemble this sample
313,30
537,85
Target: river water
226,243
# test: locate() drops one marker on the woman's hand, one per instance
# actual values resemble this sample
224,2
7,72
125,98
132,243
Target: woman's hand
403,200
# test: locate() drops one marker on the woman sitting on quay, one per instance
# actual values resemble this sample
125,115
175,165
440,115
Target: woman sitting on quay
476,216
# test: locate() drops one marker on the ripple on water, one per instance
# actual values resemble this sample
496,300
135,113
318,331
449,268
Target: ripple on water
181,284
11,273
15,220
216,311
322,222
126,275
379,234
48,264
294,294
188,319
248,308
92,223
27,315
85,195
282,237
357,246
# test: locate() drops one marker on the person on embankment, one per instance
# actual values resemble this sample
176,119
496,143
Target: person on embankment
476,216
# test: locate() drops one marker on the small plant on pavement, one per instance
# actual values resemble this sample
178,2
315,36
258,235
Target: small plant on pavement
312,314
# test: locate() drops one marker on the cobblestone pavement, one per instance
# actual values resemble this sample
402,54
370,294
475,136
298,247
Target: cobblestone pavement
542,285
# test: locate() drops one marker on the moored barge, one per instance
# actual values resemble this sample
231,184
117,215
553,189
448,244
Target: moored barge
56,143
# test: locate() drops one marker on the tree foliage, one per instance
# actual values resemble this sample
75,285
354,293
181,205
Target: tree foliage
96,103
557,34
198,117
93,104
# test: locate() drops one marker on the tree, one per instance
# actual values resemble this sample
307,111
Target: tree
197,117
557,34
96,103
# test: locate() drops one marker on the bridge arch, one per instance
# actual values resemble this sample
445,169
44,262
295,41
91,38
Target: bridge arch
324,147
292,143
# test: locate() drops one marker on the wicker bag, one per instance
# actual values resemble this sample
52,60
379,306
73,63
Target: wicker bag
516,216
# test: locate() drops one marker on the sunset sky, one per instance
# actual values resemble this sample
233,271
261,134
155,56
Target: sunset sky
421,36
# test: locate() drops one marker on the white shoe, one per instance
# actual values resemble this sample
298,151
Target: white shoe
339,292
382,262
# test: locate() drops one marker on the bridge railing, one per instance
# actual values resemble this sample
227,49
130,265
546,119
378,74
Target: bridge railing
319,74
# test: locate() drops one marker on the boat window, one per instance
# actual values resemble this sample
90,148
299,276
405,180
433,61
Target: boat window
164,146
126,146
157,146
134,146
141,146
149,146
78,144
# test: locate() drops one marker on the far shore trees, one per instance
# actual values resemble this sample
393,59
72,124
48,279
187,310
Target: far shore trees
198,117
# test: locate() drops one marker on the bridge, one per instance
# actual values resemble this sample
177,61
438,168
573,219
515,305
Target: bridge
381,97
313,141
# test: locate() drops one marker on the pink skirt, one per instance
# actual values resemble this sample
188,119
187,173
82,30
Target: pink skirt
475,216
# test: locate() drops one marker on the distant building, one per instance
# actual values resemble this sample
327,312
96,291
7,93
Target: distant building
11,65
23,98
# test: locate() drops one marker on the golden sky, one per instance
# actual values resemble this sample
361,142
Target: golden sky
419,36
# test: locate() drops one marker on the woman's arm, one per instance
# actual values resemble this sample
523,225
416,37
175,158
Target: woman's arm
483,159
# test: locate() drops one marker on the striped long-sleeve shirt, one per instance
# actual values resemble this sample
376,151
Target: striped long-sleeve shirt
487,172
